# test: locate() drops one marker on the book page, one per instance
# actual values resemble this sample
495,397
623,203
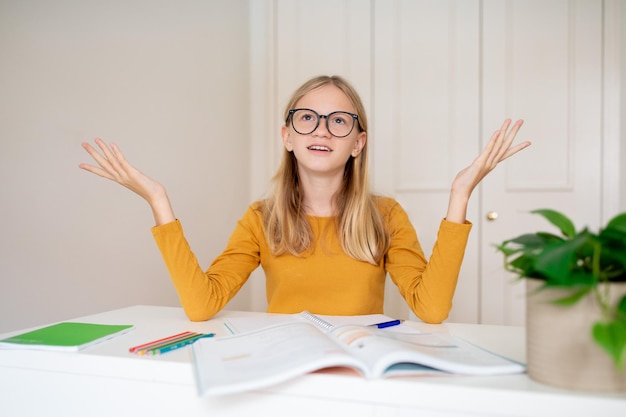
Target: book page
236,325
380,351
265,357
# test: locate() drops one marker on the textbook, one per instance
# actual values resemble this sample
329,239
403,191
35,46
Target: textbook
271,355
66,336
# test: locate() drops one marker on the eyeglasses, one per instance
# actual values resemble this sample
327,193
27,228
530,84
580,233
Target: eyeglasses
338,123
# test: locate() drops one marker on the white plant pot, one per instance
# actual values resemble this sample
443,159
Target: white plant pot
560,348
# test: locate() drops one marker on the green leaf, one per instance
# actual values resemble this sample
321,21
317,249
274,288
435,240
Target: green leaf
618,223
613,236
534,240
611,337
527,243
506,250
573,298
565,225
559,260
613,256
524,266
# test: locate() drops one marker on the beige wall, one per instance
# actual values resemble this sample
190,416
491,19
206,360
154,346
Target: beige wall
623,109
168,82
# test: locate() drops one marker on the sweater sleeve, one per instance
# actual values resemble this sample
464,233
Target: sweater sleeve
427,286
204,293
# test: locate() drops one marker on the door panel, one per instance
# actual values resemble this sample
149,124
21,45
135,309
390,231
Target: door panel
321,37
426,113
544,67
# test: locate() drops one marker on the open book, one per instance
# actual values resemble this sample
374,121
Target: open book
275,354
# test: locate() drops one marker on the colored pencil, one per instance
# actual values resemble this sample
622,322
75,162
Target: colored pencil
178,345
165,339
149,348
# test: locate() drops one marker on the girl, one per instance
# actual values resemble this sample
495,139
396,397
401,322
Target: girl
324,240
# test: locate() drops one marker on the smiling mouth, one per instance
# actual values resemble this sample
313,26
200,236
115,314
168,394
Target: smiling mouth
319,148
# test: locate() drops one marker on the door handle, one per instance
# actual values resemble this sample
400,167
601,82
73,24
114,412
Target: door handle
492,216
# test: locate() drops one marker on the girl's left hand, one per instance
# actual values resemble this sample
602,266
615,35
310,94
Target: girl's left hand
497,150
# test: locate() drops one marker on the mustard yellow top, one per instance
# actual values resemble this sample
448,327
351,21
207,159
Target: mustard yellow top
325,280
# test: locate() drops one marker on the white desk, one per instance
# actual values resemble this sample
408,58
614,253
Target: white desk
106,380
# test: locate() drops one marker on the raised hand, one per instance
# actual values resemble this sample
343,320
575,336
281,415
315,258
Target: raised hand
497,150
113,165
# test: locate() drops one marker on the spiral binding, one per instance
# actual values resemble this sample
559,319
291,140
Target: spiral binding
323,324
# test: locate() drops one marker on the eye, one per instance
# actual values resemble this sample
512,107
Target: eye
306,116
341,119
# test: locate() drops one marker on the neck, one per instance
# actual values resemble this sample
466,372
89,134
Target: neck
319,193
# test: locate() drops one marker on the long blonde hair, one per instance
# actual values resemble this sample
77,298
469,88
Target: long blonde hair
360,225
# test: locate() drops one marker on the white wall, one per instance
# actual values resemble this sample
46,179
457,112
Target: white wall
168,82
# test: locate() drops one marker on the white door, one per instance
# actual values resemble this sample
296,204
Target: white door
542,61
446,75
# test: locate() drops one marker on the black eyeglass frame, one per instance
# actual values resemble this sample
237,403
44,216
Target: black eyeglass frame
355,118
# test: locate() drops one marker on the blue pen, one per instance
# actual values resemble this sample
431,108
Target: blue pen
387,324
178,345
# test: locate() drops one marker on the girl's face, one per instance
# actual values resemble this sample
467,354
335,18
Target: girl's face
319,152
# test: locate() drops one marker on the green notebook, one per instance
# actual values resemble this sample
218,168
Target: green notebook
67,336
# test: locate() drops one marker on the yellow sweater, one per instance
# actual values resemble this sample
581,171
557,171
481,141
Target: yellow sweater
325,280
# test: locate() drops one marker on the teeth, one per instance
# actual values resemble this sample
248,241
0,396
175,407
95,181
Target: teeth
319,148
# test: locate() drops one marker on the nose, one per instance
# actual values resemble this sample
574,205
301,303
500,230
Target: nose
322,127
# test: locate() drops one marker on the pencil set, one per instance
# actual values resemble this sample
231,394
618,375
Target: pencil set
168,344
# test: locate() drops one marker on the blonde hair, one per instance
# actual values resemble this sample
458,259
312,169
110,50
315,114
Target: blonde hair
360,225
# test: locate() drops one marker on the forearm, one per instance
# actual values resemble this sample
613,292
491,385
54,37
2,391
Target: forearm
192,285
427,285
202,294
161,206
457,207
431,295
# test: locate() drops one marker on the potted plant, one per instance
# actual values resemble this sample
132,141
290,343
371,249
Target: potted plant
576,305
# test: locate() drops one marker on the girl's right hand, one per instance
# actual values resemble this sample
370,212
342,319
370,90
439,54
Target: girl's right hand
113,165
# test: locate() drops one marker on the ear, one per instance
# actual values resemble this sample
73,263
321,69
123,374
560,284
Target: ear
286,136
359,144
